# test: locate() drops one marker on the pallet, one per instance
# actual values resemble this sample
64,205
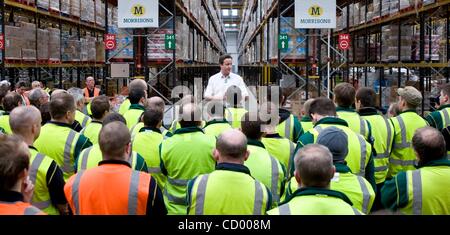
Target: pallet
40,61
13,61
27,3
54,12
53,61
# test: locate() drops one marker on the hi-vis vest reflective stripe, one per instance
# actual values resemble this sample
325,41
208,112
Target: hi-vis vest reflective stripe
83,119
234,115
133,117
4,123
147,145
383,134
18,208
403,157
39,165
281,149
355,122
267,169
59,144
90,157
243,195
185,156
359,150
428,191
315,205
96,92
118,196
445,117
286,128
92,131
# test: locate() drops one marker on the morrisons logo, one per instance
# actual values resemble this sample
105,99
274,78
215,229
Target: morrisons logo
315,11
138,10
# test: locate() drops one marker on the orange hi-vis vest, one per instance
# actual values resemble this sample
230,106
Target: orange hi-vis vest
96,92
110,189
18,208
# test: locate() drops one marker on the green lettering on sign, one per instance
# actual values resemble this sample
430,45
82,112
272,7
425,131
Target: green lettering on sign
170,41
283,41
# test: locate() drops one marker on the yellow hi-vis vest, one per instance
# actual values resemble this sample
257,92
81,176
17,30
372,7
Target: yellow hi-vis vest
403,157
355,122
280,148
39,165
92,131
215,128
82,118
286,128
234,115
4,123
124,107
243,195
133,116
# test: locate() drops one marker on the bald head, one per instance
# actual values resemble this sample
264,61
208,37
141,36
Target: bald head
190,116
156,102
114,141
429,144
314,166
232,145
22,120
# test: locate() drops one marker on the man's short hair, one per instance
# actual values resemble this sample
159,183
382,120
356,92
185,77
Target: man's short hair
138,84
23,117
367,97
446,89
306,106
231,148
45,113
21,84
99,106
35,84
77,93
114,117
136,95
314,163
156,102
11,101
322,106
152,117
190,115
60,104
344,94
429,143
35,95
251,126
222,58
14,158
113,140
233,95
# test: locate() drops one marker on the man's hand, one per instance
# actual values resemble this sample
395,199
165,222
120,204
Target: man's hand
27,190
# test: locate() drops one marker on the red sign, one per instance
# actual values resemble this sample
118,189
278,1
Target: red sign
110,41
2,42
344,41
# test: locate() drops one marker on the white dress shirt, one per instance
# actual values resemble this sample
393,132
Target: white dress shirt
218,84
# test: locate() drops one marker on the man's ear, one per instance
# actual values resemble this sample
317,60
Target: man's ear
216,154
297,178
246,155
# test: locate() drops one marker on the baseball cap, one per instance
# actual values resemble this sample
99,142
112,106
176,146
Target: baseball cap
336,141
411,95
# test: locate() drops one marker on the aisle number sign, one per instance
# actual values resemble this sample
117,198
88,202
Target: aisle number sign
315,14
170,41
2,41
110,41
283,41
138,14
344,41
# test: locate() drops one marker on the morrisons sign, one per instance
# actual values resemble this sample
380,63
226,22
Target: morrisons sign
138,14
315,14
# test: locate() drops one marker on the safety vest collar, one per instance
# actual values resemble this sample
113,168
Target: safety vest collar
284,115
97,122
5,113
32,147
137,107
273,136
342,168
440,162
256,143
233,167
216,121
319,191
306,119
332,121
444,106
345,109
186,130
11,196
61,124
114,162
148,128
408,111
368,111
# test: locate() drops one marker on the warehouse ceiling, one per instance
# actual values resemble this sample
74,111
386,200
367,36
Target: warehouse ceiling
231,13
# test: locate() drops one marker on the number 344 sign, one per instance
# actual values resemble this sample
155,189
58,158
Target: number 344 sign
344,42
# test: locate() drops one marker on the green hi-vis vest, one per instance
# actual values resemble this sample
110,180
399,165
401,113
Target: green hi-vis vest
59,143
39,165
133,115
403,157
383,134
280,148
146,143
267,169
355,122
92,131
359,150
314,201
124,107
234,115
226,192
185,155
82,118
4,124
286,128
216,128
428,191
90,157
